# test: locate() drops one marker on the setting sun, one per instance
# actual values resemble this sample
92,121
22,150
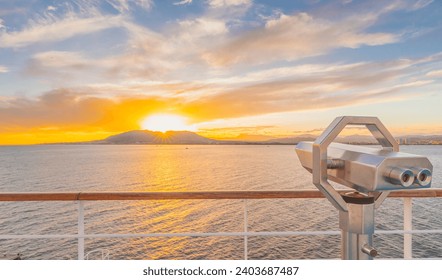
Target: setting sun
166,122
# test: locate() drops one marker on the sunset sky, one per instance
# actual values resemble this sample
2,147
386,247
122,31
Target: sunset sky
84,70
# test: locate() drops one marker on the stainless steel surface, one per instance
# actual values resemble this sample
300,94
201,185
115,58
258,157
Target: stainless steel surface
400,176
379,198
335,163
423,177
369,250
352,244
369,169
359,218
372,172
320,146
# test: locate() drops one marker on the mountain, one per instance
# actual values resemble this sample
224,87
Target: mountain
187,137
155,137
357,139
249,138
292,140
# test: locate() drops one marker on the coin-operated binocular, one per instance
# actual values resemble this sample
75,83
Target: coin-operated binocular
371,172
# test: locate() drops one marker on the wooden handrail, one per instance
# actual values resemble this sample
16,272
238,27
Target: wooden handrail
74,196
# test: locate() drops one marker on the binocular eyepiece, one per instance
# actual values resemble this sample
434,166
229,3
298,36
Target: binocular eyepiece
408,177
424,177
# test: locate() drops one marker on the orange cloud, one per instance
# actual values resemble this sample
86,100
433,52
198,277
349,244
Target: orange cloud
103,109
59,115
297,95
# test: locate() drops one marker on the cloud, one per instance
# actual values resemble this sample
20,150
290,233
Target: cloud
60,59
285,89
124,5
3,69
421,4
201,27
9,11
227,3
292,37
266,99
197,45
64,68
71,110
120,106
183,2
156,65
191,37
336,86
69,20
167,90
58,30
145,53
435,73
233,12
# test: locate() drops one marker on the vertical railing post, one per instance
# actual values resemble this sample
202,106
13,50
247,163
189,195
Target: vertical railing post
245,231
80,230
408,226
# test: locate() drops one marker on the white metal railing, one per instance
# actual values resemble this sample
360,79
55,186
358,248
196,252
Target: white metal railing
408,226
80,199
102,253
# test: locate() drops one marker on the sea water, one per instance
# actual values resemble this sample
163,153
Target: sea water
83,168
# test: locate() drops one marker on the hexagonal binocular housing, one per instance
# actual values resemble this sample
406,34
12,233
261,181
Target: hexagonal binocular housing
363,168
370,169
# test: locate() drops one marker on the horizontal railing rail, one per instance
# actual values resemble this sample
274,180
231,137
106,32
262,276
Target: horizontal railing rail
82,197
88,196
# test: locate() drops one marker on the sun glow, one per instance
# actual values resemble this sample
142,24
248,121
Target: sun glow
166,122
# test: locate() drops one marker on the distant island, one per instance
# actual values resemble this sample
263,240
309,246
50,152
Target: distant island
145,137
156,137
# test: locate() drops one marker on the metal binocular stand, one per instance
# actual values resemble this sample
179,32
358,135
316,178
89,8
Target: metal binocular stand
371,172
